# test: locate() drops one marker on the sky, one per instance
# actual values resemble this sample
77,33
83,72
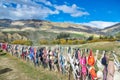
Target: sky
95,13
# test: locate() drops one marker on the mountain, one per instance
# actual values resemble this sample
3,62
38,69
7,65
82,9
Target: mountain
36,30
41,29
33,25
112,30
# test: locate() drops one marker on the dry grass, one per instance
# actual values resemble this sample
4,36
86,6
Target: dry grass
22,70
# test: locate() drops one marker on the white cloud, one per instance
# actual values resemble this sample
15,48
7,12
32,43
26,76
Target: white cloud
73,10
99,24
45,2
37,9
25,10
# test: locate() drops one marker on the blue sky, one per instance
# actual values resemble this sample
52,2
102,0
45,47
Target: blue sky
96,13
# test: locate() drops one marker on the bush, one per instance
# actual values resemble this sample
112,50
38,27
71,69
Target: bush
55,42
43,42
75,41
118,35
82,41
63,41
63,35
22,42
90,38
69,41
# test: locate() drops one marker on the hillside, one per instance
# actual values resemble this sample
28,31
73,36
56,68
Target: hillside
40,29
111,30
33,25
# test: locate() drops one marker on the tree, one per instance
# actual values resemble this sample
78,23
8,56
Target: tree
69,41
43,42
111,37
22,42
62,41
63,35
100,37
118,35
55,42
90,38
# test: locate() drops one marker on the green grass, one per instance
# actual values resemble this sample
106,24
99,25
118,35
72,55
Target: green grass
45,34
77,35
3,54
108,46
35,73
40,73
101,46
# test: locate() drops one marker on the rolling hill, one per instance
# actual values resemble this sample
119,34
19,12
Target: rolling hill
112,30
40,29
33,25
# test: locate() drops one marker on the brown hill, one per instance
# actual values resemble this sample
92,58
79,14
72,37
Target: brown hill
33,25
111,30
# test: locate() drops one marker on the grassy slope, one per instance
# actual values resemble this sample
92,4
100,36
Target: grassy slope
39,34
32,72
108,46
102,45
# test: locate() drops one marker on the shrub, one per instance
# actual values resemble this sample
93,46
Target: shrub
22,42
55,42
82,41
43,42
63,35
90,38
69,41
62,41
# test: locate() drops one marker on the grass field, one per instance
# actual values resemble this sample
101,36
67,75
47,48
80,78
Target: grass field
21,70
12,68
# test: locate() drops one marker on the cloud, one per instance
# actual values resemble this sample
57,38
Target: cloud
73,10
33,12
36,9
25,9
99,24
45,2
